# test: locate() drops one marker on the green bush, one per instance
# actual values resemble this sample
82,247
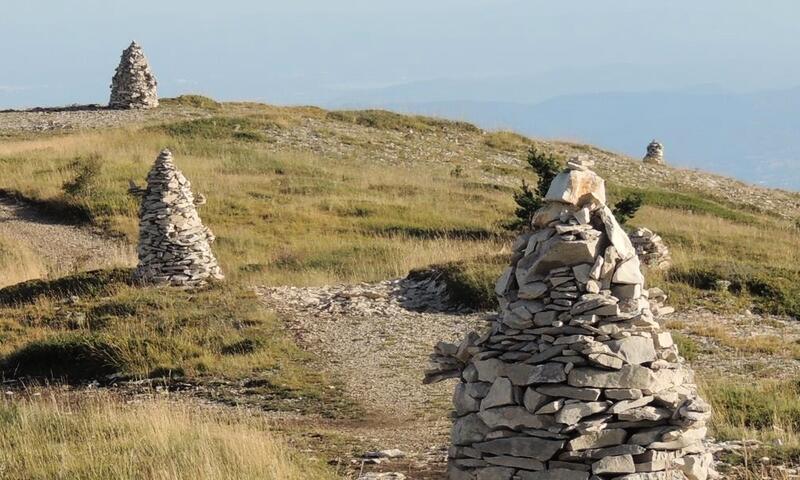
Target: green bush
626,208
546,166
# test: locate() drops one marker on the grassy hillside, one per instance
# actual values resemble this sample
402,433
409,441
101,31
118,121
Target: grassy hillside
102,438
301,196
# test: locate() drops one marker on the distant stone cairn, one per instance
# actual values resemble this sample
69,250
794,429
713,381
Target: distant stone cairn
575,379
655,153
174,245
133,85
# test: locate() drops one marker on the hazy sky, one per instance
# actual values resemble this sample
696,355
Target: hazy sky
309,51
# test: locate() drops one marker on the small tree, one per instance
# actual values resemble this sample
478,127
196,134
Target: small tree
546,166
626,208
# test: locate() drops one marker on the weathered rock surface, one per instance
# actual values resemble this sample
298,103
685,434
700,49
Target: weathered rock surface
134,86
582,382
174,245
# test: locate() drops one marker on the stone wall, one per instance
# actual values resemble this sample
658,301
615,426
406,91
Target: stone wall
174,245
134,86
575,379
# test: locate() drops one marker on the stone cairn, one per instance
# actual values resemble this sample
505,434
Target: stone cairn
575,380
133,85
655,153
652,250
174,245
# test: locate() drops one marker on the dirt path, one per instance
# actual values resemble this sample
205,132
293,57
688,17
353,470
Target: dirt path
61,248
367,337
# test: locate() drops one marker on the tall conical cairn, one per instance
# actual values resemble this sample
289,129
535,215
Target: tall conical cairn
133,85
174,245
655,153
575,379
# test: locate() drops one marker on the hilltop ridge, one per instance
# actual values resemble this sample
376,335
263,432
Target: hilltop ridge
384,136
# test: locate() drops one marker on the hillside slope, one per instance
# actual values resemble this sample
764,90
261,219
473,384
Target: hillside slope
303,197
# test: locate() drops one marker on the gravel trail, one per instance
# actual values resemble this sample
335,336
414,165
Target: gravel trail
62,248
366,336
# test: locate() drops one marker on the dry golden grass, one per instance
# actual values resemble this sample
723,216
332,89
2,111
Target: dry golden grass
289,218
95,437
17,262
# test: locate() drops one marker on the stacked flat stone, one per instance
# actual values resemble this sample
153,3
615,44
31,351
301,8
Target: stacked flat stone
174,245
133,85
650,247
575,380
655,153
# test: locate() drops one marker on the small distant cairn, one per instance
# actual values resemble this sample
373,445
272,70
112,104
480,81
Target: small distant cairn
133,85
575,379
652,250
655,153
174,245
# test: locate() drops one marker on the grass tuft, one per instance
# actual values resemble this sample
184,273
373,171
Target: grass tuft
101,438
97,282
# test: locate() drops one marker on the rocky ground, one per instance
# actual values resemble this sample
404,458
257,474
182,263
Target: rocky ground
376,338
64,248
82,117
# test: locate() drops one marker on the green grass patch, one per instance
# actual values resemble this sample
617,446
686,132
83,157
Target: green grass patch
471,282
772,290
688,348
244,129
221,332
194,101
94,283
507,141
687,202
385,120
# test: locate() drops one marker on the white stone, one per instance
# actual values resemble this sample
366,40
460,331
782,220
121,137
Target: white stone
577,188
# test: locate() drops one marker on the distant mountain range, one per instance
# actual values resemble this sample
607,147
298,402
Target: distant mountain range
751,136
